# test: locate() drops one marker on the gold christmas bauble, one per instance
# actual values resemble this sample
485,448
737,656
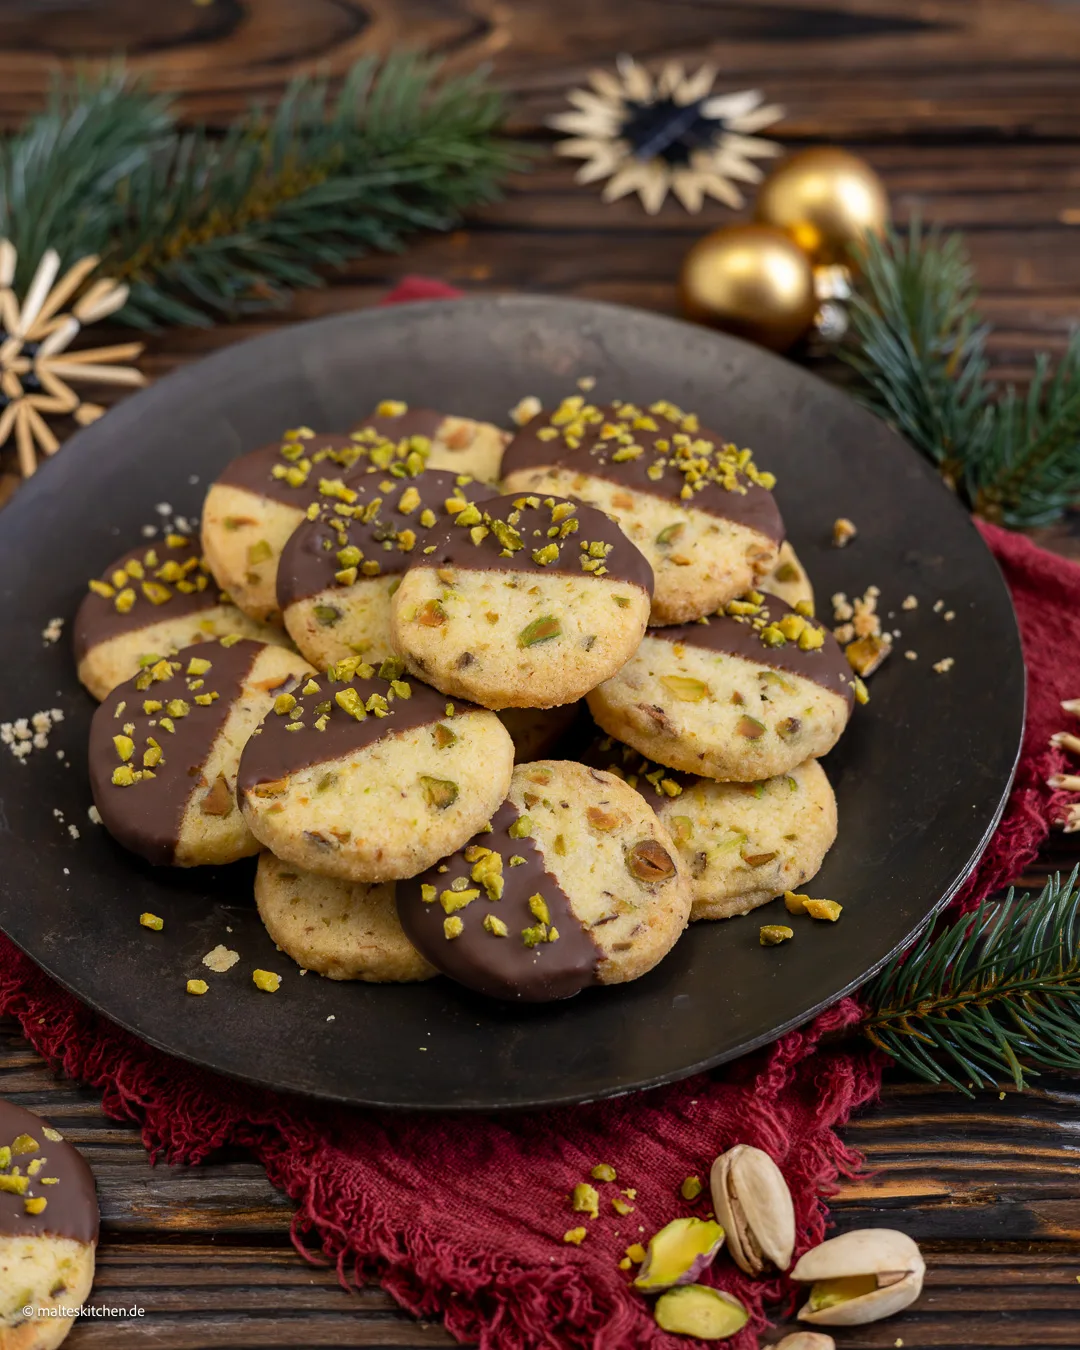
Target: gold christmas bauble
750,280
826,199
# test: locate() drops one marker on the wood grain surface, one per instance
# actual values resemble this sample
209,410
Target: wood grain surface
970,111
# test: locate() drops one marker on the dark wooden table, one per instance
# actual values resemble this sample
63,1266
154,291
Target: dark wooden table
971,112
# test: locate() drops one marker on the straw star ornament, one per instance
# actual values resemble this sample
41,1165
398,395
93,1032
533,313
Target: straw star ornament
37,370
671,134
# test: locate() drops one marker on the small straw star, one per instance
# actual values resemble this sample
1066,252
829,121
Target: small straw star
37,370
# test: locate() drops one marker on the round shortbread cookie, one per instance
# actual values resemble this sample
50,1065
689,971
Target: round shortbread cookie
257,502
371,778
151,602
788,579
165,747
742,843
743,696
338,571
522,603
575,883
345,930
48,1231
455,443
700,511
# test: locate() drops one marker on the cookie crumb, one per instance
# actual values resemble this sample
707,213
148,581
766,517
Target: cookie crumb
94,815
911,656
939,605
943,667
525,410
333,1016
910,602
73,830
220,959
52,630
949,615
843,532
25,735
586,383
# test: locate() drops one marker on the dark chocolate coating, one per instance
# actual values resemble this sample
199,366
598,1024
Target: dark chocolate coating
454,546
309,560
254,471
627,763
97,618
146,816
412,422
502,967
827,666
71,1207
273,752
755,507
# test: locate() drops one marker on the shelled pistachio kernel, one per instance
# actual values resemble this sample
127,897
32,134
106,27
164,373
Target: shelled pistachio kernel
197,987
772,934
585,1200
149,920
266,980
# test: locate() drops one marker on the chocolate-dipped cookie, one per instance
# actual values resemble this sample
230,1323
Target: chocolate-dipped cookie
576,883
742,843
48,1231
345,930
744,695
165,746
458,444
260,498
371,777
788,579
342,564
522,602
151,602
700,511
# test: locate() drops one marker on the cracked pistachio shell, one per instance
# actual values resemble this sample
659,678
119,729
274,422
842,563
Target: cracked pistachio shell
680,1252
892,1258
752,1201
806,1340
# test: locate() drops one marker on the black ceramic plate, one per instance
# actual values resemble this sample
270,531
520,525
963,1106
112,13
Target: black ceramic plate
921,775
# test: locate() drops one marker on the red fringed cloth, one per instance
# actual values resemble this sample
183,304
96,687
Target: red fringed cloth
463,1219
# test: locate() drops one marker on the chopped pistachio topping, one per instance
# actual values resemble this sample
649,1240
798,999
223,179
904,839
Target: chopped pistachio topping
197,987
453,926
584,1199
152,921
266,980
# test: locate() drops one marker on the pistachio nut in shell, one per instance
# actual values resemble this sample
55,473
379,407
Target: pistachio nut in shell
806,1340
752,1201
697,1310
680,1252
860,1277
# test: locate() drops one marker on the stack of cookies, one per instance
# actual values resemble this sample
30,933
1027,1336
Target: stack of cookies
392,640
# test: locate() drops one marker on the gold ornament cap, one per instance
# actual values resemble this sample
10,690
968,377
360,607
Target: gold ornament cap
826,199
750,280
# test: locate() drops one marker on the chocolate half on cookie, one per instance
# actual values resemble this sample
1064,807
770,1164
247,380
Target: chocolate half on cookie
48,1230
458,444
574,883
700,510
371,777
151,602
745,695
343,563
165,747
522,601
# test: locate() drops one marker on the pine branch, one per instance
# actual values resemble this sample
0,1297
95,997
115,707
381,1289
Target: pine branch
216,228
59,174
995,996
919,346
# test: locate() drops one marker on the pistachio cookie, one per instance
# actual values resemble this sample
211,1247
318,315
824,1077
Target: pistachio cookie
700,511
371,778
257,502
522,602
151,602
575,883
788,579
345,930
344,562
745,695
48,1231
743,843
455,443
165,746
